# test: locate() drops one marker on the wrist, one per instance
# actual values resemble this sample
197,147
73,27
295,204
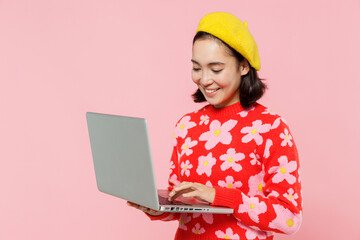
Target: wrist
212,195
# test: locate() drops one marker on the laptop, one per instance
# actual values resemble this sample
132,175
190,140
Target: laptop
123,165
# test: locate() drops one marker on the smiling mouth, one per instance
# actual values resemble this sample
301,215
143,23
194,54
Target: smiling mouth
211,90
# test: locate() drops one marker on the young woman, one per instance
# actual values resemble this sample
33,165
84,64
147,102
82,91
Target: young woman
233,152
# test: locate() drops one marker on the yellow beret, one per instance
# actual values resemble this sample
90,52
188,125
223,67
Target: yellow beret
234,32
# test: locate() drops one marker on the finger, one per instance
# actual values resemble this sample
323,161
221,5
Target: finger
183,188
183,185
195,194
177,194
183,182
144,209
187,185
151,211
137,206
154,212
177,187
131,204
203,194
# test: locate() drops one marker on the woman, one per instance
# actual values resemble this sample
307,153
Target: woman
233,152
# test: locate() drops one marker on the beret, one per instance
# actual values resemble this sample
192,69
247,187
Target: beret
234,32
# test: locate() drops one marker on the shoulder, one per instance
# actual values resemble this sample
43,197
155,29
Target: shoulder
189,122
266,115
276,126
264,121
192,115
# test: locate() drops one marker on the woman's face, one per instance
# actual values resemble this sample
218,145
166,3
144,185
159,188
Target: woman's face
216,72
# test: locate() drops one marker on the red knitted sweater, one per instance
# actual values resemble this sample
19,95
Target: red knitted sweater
250,158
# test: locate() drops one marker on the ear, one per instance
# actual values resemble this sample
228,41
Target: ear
244,67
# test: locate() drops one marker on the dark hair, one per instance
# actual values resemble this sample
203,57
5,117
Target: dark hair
251,86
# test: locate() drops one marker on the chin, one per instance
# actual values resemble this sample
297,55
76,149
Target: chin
216,104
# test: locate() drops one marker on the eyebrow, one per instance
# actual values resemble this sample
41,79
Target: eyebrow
210,64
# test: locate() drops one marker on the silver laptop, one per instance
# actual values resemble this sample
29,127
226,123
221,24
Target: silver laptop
123,164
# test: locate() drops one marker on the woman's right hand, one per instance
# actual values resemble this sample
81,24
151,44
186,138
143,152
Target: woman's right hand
145,209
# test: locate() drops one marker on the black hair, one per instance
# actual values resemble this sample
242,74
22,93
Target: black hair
251,86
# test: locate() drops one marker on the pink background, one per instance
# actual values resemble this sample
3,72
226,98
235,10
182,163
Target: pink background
59,59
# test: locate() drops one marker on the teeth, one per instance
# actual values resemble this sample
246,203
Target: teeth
210,91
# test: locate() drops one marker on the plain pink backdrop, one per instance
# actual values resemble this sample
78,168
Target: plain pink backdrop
59,59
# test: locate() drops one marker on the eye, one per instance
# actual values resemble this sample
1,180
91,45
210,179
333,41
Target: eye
217,71
196,69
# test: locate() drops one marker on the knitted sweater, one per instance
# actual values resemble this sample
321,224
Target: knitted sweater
250,158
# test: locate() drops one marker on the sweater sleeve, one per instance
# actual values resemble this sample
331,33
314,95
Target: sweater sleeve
173,180
277,206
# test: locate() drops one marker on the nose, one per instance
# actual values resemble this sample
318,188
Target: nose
206,79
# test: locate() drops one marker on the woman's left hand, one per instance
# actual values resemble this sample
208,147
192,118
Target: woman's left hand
191,189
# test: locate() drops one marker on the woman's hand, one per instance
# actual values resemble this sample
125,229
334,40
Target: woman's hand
145,209
191,189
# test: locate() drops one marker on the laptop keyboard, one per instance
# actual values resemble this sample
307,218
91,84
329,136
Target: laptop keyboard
165,201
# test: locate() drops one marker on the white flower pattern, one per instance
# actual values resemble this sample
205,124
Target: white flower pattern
229,183
291,196
218,133
205,164
254,132
283,171
253,206
204,119
255,159
186,147
286,138
185,168
248,151
230,160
